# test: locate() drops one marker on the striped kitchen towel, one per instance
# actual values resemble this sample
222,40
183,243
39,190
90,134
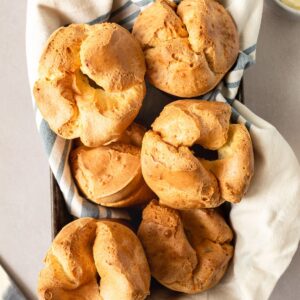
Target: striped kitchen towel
267,221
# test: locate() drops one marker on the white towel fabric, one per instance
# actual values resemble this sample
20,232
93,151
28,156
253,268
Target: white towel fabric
266,222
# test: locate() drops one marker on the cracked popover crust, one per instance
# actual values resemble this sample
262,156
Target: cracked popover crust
93,259
189,47
111,175
182,180
91,82
187,251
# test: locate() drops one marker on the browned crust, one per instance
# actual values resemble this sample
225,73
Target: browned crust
187,251
177,176
72,106
189,47
111,175
86,247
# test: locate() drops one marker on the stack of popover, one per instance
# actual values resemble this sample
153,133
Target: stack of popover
91,86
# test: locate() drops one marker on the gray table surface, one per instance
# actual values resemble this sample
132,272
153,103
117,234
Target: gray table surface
272,90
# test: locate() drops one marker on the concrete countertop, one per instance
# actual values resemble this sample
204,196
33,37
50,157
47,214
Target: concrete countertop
272,90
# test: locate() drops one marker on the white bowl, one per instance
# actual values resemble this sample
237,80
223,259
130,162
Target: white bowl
289,9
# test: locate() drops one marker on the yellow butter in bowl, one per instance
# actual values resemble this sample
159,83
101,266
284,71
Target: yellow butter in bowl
292,3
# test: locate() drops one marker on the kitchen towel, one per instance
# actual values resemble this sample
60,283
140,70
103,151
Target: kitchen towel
266,222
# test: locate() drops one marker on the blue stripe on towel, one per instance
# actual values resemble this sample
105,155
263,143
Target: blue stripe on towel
100,19
248,125
215,93
70,194
229,100
129,18
48,135
109,15
119,9
250,49
142,2
207,96
89,210
234,115
242,62
63,161
233,84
